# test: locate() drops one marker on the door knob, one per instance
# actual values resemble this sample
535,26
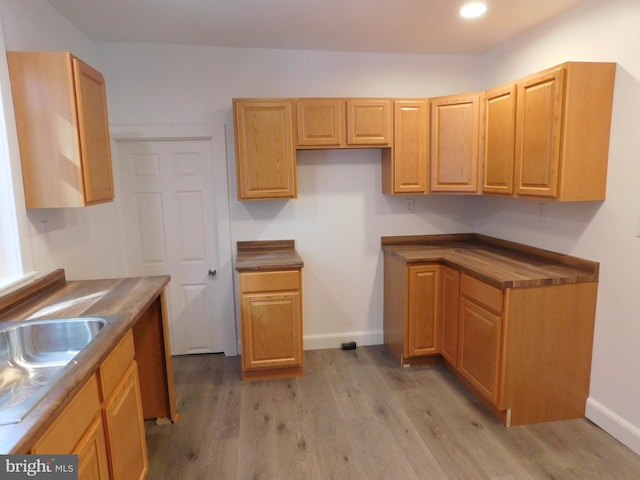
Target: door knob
212,273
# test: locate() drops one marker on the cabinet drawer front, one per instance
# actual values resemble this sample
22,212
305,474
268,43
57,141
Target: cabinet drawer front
116,364
481,292
270,281
71,424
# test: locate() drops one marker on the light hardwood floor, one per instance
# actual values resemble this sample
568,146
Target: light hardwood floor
357,415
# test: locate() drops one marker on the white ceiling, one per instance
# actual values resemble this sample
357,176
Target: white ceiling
393,26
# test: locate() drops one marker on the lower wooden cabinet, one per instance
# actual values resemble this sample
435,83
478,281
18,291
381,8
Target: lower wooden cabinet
125,429
411,311
92,454
423,327
79,430
122,413
103,424
480,337
271,324
449,308
524,352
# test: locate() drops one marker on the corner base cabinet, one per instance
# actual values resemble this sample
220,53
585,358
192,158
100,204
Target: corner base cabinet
521,345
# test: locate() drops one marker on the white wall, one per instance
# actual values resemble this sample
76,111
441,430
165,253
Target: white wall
69,238
601,231
340,213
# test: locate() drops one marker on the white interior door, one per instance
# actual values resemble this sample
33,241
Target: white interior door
168,218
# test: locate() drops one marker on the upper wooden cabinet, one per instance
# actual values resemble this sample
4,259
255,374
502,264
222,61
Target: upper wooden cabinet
265,148
344,123
405,166
63,131
321,122
369,122
455,143
562,131
546,135
499,140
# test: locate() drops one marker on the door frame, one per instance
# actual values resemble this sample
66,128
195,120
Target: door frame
215,134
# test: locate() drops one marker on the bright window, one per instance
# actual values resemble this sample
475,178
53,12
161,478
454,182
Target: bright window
15,257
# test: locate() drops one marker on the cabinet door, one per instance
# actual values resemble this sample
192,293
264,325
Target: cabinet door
423,326
92,454
539,133
405,165
271,330
125,429
368,122
499,140
449,312
265,149
479,356
320,122
72,424
93,127
455,143
61,119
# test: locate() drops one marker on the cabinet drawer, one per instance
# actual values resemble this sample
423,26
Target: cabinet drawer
270,281
481,292
71,424
116,364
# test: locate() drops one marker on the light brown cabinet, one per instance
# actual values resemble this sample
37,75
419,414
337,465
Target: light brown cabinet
412,311
369,122
265,149
321,122
455,143
449,308
480,337
63,130
562,132
271,324
405,166
122,413
344,122
499,140
524,351
79,430
423,327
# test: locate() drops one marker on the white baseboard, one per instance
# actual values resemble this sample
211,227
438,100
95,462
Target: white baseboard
613,424
318,342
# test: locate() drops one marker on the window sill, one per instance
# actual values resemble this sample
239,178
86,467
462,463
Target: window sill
9,284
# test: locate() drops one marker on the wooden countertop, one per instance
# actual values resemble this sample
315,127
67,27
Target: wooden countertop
122,300
267,255
498,262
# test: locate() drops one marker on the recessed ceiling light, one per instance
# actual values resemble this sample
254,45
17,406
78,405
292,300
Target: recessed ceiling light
473,10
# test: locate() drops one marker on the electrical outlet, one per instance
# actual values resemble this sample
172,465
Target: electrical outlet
409,205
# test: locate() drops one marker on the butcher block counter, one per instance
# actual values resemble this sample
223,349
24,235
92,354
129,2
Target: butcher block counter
498,262
267,255
513,323
133,307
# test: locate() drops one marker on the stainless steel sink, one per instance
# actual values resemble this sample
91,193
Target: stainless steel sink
34,354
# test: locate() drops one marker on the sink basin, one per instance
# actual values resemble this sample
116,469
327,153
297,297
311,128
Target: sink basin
34,354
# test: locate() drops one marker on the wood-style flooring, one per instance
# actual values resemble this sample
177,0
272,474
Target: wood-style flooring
358,415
